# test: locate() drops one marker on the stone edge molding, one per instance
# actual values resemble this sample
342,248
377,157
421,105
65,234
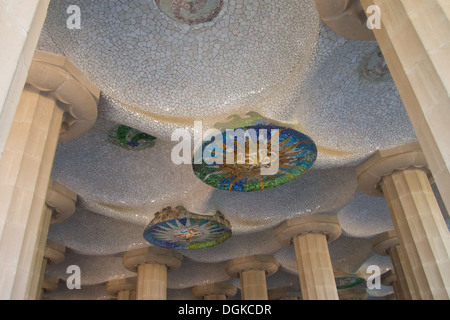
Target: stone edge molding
321,224
61,200
113,287
54,252
388,278
345,17
75,94
225,289
284,292
385,162
148,255
268,264
383,242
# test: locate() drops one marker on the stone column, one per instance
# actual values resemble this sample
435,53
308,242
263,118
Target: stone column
401,176
353,294
123,289
21,23
252,272
58,103
60,205
54,253
387,244
309,236
389,279
286,293
414,38
346,18
152,264
215,291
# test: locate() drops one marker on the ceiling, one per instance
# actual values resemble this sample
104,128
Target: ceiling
158,73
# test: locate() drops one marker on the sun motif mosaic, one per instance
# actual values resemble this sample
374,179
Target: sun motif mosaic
190,11
348,282
130,138
375,67
263,156
185,230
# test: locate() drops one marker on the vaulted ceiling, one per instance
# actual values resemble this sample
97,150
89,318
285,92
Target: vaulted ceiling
160,71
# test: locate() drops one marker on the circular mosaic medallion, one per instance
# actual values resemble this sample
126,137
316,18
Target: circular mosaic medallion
190,11
348,282
187,230
130,138
254,158
375,67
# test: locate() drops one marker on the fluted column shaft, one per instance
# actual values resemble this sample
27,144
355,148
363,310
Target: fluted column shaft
152,265
40,121
400,285
126,295
253,285
151,282
314,267
252,272
25,173
214,291
414,37
421,229
123,289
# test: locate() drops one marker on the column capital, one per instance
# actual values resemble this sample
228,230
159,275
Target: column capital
61,200
75,94
384,241
148,255
225,289
284,293
268,264
320,224
345,17
54,252
113,287
388,278
385,162
50,284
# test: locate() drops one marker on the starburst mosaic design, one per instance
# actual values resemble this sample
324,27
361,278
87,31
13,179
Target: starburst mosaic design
375,67
190,12
186,230
287,151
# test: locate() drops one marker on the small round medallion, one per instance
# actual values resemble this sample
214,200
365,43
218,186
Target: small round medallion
190,12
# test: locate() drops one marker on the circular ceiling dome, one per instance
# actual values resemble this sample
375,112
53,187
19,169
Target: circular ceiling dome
192,58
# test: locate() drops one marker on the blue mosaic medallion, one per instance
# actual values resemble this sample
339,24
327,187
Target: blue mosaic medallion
185,230
256,157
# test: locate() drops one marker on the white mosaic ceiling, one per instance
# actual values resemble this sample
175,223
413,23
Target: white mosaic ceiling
157,74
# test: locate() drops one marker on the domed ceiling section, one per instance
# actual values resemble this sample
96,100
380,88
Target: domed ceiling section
186,59
161,65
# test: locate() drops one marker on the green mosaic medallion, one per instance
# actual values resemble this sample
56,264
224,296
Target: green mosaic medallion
131,139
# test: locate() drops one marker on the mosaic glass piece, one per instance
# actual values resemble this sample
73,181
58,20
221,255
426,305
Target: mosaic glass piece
180,229
190,11
375,67
348,282
264,156
131,139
